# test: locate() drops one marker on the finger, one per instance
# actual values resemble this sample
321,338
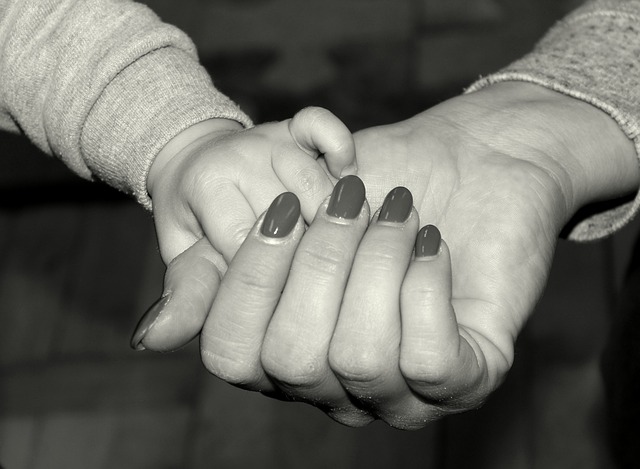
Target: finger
295,349
316,129
365,348
191,283
232,336
175,235
226,217
304,177
437,363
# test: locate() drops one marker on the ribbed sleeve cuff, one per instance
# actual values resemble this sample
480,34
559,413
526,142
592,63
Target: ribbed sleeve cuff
592,55
146,105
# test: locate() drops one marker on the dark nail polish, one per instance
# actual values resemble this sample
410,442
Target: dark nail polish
146,321
347,198
397,206
428,241
282,216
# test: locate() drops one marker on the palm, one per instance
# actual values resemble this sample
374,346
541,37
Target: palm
499,215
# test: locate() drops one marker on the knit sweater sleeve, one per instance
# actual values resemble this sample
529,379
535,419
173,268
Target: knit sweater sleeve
101,84
592,55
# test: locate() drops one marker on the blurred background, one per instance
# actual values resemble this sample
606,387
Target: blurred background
80,265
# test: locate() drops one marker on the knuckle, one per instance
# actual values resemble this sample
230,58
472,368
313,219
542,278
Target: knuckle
358,365
432,369
232,369
311,182
293,370
381,258
322,256
341,146
412,422
351,417
421,293
201,183
236,231
258,281
311,114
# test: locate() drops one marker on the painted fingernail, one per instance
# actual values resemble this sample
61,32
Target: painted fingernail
428,242
146,322
282,216
347,198
397,206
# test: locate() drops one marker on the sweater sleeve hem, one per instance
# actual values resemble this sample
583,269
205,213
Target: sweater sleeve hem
590,56
602,224
138,113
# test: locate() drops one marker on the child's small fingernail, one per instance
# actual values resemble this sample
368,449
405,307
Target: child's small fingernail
146,322
282,216
397,206
347,198
428,242
350,170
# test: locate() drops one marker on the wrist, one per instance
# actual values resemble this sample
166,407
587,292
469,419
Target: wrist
183,140
581,146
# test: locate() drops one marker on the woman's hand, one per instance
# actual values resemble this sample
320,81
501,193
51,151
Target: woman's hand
343,317
500,172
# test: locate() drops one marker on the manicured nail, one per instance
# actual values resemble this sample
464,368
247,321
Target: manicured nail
397,206
428,242
146,322
347,198
282,216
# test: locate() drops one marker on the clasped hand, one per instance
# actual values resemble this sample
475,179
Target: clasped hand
349,317
341,316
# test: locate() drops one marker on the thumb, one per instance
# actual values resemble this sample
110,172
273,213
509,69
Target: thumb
191,283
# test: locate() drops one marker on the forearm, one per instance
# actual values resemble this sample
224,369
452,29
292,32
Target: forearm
102,84
144,107
590,56
581,146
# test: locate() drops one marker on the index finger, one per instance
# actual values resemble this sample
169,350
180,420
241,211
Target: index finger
232,336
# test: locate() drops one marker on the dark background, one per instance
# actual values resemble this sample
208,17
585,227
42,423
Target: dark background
79,265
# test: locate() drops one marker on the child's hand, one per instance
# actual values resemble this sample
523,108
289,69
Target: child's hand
215,178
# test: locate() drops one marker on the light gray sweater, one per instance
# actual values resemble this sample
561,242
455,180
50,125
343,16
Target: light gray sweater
592,55
104,84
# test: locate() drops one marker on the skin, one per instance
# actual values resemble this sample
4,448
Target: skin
215,178
500,172
212,181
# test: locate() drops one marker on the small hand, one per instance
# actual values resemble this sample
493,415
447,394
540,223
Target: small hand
209,184
215,178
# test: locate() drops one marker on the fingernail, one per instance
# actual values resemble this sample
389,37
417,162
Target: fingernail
282,216
146,322
347,198
397,206
428,242
350,170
